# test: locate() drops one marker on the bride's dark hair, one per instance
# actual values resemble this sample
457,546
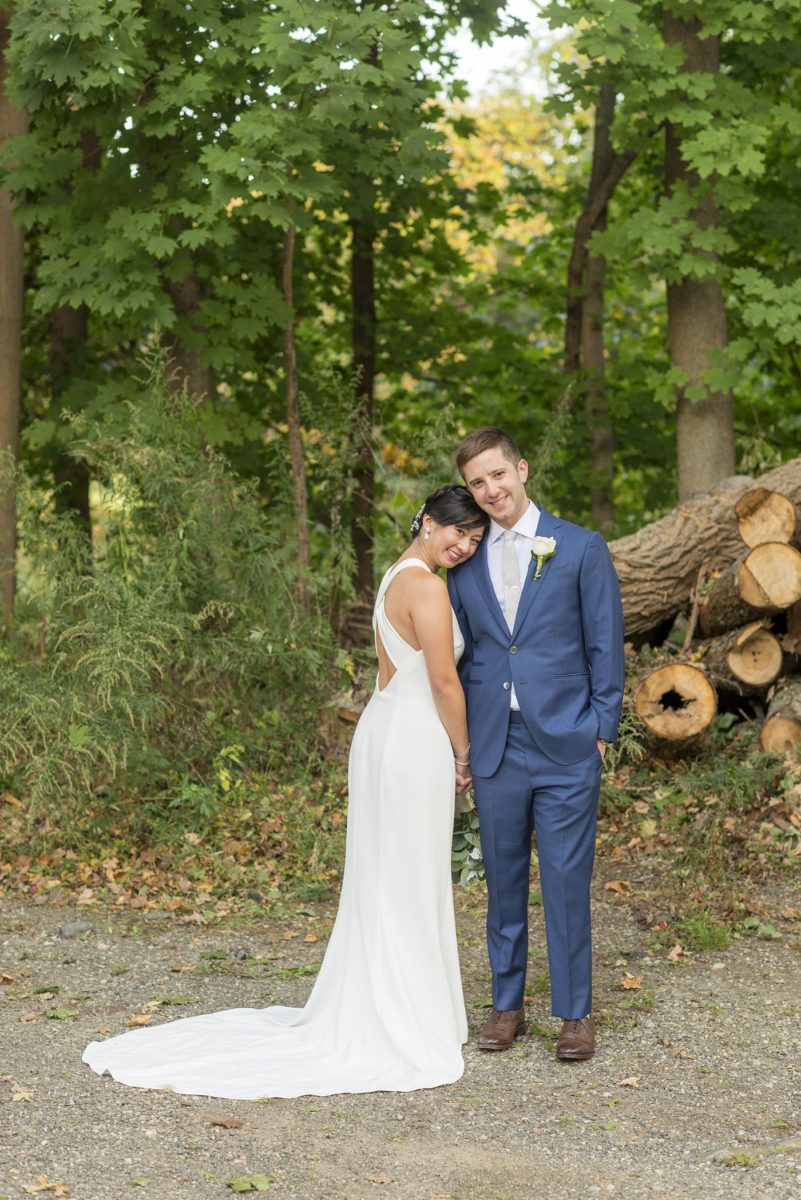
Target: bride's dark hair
450,505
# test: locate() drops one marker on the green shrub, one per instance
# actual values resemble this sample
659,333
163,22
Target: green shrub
160,658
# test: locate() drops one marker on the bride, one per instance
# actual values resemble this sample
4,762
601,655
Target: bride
386,1012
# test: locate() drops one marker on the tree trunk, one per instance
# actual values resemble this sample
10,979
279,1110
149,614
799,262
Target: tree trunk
697,330
68,335
363,335
13,122
188,368
676,703
296,455
747,660
658,565
766,516
765,579
592,330
69,332
781,732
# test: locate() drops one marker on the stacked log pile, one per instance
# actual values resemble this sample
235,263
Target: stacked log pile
724,568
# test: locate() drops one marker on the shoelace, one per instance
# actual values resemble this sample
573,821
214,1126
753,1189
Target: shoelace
499,1016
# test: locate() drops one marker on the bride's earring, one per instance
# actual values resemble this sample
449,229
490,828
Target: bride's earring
426,535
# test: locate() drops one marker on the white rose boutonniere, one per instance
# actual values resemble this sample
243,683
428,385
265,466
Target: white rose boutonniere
542,548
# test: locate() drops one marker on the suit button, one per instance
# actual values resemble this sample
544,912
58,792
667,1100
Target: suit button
513,649
506,687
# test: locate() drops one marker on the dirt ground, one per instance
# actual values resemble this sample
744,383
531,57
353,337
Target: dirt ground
694,1093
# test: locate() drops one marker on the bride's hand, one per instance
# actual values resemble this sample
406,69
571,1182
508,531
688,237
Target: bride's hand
464,781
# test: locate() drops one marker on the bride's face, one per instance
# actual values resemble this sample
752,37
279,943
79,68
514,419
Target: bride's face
449,545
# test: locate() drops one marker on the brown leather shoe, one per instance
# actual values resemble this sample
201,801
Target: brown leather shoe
502,1028
576,1040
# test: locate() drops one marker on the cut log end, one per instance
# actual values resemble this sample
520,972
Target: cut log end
766,516
781,731
770,576
755,656
781,734
676,702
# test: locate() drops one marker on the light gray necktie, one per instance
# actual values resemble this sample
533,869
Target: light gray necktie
510,574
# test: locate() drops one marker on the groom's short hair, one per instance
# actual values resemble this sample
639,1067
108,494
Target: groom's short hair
487,438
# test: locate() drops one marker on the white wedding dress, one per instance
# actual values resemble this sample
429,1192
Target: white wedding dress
386,1012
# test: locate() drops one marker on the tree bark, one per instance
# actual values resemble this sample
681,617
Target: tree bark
68,336
189,370
363,343
697,329
13,122
593,349
296,455
766,578
658,565
595,205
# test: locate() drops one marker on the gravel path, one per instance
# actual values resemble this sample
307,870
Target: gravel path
694,1094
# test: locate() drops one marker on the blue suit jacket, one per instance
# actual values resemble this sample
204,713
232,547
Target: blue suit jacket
564,655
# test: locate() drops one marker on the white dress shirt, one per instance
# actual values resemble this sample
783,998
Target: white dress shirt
526,531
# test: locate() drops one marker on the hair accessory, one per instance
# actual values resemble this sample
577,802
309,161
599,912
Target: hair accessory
414,528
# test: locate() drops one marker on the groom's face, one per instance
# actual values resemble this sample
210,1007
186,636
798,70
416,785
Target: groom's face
498,485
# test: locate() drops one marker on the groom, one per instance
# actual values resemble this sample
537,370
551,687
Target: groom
539,608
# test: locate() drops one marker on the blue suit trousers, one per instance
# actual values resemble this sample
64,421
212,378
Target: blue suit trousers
529,793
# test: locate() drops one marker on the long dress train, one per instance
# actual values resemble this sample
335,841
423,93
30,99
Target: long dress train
386,1012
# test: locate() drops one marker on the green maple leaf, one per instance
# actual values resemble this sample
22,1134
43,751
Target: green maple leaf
250,1183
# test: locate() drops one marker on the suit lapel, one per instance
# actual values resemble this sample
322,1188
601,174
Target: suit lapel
480,564
546,527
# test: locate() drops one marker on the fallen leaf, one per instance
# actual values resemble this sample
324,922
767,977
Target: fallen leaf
177,970
289,935
7,978
61,1014
378,1179
621,886
7,798
630,1081
26,1096
43,1184
194,918
311,937
631,982
250,1183
789,914
679,1052
30,1017
227,1123
140,1181
139,1019
104,1029
677,952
